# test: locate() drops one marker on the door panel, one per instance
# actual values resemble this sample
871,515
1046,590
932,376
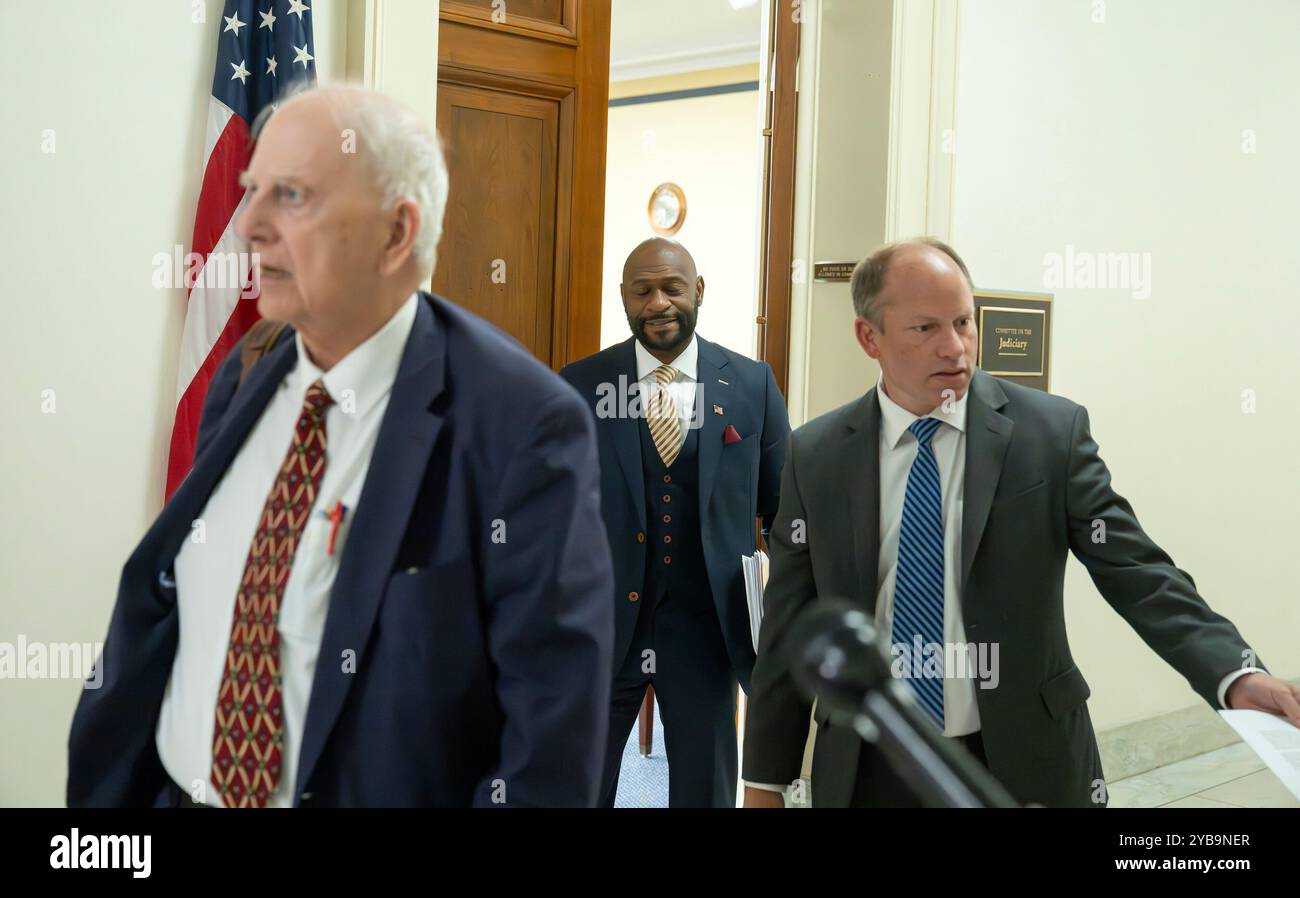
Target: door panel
522,106
505,271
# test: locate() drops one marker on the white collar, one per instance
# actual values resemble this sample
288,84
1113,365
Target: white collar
687,362
895,420
363,376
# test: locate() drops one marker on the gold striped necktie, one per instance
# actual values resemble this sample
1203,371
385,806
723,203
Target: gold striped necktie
665,429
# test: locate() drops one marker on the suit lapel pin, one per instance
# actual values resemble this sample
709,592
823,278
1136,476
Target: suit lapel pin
717,410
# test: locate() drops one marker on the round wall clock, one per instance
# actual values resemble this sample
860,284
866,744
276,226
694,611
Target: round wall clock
667,209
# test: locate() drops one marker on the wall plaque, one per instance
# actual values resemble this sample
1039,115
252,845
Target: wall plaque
1015,332
833,271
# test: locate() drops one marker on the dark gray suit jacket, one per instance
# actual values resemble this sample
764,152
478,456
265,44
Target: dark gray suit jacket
1034,487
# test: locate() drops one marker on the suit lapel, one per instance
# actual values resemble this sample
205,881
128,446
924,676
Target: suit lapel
246,406
625,434
712,391
860,462
988,433
406,438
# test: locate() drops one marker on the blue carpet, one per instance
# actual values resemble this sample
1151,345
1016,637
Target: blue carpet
643,782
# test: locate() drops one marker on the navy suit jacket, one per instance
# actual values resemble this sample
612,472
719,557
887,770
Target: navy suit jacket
738,482
482,667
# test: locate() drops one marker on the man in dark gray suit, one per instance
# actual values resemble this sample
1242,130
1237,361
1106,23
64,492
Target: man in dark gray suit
945,502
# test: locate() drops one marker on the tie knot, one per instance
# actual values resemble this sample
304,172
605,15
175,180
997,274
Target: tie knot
923,429
665,374
318,398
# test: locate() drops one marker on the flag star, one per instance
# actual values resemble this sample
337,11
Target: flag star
271,63
233,24
297,8
240,72
303,56
268,19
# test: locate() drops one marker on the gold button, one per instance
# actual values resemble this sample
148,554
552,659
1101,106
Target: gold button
640,537
667,479
667,498
668,519
668,559
668,539
632,597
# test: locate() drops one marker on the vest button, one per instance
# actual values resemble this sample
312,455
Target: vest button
640,537
668,519
667,498
668,539
668,559
668,478
632,596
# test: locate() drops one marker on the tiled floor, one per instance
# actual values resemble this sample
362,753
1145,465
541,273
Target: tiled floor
1231,777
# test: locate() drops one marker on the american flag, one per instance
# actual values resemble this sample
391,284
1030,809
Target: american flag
263,47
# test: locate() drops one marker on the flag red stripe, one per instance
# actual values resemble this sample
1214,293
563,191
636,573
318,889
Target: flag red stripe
218,200
221,190
188,411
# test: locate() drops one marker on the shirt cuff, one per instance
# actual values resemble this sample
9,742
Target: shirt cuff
1232,678
766,787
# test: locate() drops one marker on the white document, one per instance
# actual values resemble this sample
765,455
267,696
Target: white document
755,569
1275,740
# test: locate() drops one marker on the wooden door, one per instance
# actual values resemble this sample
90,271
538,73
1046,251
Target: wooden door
523,94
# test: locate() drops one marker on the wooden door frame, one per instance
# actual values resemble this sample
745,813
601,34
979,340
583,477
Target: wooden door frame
776,235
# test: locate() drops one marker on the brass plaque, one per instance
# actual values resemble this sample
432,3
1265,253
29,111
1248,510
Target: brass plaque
1015,336
833,271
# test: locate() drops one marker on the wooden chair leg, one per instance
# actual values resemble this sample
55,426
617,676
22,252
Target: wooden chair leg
647,722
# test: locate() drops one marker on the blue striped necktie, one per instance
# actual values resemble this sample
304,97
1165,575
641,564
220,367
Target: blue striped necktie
918,582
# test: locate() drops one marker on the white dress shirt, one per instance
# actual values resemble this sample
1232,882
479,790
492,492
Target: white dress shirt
897,452
211,563
683,385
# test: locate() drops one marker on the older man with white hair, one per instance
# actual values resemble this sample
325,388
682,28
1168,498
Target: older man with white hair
385,581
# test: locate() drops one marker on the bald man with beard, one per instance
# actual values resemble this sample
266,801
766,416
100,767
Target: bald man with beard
686,467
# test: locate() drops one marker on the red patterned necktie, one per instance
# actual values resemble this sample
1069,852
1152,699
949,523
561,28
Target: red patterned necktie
249,734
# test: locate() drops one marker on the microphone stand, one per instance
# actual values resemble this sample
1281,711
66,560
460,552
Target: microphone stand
838,662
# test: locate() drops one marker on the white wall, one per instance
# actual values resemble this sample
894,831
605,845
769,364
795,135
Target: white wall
1127,136
80,229
707,146
841,183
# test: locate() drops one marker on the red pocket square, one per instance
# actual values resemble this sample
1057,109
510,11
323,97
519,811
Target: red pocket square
730,436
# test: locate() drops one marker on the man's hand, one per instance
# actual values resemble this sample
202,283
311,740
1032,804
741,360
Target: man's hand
1253,692
765,798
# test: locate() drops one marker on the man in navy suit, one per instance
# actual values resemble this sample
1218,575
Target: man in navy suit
370,590
692,438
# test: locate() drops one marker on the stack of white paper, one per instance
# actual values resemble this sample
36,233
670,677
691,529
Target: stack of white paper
755,570
1275,741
